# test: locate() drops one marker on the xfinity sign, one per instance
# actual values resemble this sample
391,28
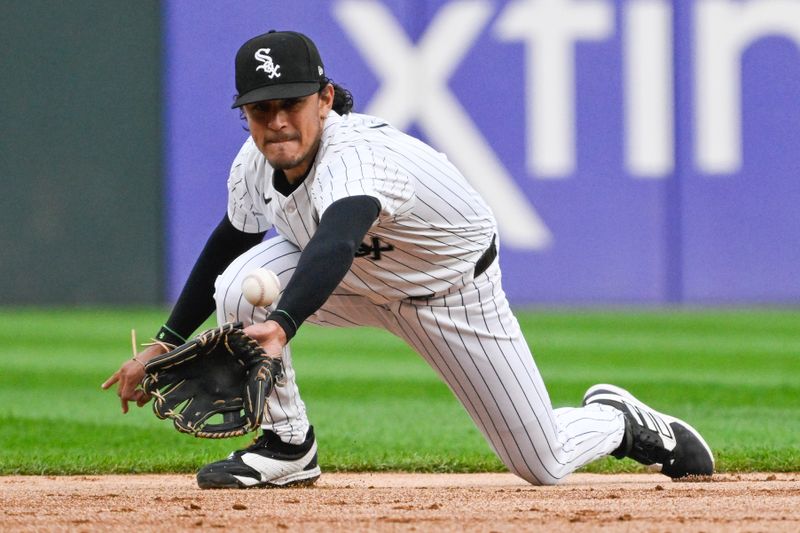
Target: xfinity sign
549,30
633,151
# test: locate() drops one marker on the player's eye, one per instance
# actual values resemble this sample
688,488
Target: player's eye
291,103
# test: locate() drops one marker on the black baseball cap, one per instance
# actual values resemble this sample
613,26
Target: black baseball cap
277,65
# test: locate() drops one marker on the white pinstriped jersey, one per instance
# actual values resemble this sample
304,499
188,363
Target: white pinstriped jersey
432,225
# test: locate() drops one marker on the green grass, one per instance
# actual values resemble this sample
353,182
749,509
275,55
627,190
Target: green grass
377,406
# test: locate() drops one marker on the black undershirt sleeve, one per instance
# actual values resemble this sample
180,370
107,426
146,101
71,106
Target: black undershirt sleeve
325,260
196,301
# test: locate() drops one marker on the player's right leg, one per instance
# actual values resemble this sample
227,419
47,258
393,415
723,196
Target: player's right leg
473,341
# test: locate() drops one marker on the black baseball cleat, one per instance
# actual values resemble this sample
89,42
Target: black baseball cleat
268,462
653,438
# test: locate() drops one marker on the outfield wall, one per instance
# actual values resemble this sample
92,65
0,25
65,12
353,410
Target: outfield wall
80,153
639,151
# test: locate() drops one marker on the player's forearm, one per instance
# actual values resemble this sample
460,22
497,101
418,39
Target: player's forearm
196,303
325,261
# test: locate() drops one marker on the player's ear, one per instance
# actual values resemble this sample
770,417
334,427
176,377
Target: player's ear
325,100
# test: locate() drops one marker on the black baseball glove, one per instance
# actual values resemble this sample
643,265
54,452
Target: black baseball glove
222,372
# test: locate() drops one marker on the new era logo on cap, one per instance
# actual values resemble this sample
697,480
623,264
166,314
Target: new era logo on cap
277,64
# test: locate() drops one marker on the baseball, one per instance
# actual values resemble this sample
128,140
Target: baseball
260,287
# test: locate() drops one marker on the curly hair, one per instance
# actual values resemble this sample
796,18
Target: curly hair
342,98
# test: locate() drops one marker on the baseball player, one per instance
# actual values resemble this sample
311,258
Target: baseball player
375,228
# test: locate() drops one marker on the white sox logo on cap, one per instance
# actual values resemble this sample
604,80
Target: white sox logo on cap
271,69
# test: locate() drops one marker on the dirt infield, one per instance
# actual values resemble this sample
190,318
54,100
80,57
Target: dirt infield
405,502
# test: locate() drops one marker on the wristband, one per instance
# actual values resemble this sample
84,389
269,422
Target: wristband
286,322
169,336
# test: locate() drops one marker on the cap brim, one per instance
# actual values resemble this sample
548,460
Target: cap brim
277,92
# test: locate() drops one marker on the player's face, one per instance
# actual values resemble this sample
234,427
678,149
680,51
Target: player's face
288,131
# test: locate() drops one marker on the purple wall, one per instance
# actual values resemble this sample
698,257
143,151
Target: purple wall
605,134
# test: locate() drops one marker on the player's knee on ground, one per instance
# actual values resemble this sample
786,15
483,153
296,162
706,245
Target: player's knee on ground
531,468
535,478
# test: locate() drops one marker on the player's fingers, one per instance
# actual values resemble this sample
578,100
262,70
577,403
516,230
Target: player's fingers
124,403
110,381
127,388
256,331
269,335
141,397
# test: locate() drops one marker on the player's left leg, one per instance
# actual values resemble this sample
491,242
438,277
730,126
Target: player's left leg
473,341
286,452
286,412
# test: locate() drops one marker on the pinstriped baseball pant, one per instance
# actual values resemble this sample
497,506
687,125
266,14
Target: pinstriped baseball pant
472,341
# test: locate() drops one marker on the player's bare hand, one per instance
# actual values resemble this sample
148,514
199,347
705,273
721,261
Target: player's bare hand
129,377
270,336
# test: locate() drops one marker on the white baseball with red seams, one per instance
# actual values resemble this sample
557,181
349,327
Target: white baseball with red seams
261,287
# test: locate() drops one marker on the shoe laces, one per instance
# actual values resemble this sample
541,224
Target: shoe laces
258,444
648,447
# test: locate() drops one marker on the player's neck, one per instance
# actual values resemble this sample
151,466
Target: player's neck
286,185
297,174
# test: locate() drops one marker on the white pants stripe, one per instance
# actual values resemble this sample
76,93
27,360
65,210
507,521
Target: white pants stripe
472,341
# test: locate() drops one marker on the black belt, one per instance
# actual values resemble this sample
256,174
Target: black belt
487,258
480,267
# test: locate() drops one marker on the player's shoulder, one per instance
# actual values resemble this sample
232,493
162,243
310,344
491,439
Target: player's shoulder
247,152
249,160
350,133
248,169
351,126
360,120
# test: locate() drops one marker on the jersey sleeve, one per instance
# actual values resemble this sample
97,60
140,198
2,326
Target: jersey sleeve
362,171
244,195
